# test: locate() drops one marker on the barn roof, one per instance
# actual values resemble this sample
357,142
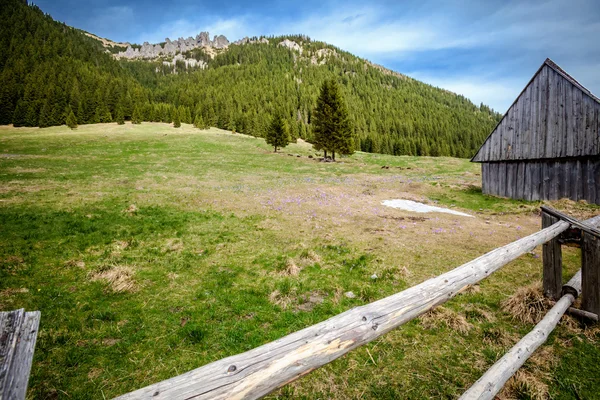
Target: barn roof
554,116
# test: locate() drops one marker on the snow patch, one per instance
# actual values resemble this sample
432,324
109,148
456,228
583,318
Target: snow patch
414,206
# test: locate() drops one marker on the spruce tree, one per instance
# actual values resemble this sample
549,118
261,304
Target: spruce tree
199,122
20,114
332,130
136,118
277,134
120,116
176,118
71,120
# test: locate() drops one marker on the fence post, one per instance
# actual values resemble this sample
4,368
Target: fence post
590,270
552,259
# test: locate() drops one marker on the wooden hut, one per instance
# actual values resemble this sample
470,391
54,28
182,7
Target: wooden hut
547,145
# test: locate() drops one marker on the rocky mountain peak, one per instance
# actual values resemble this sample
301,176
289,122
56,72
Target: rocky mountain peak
172,47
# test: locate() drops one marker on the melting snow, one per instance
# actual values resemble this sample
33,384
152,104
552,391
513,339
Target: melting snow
410,205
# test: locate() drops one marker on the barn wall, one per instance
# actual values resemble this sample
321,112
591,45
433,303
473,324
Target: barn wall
552,118
576,179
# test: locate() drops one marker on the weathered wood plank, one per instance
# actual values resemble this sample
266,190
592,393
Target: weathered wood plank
574,182
496,377
552,116
552,261
590,267
510,180
535,119
595,197
18,333
544,111
521,180
561,115
569,119
259,371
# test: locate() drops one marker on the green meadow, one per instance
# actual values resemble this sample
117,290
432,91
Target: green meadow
151,251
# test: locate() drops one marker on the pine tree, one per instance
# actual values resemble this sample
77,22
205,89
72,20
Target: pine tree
277,133
199,122
176,119
71,120
136,118
20,114
120,116
332,129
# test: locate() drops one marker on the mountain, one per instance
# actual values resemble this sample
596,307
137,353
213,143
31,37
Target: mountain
48,69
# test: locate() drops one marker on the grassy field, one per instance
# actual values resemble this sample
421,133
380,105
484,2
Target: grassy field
151,251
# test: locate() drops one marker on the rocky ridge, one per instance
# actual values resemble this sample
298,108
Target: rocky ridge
170,48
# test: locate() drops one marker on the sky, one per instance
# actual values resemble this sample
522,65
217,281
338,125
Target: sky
486,50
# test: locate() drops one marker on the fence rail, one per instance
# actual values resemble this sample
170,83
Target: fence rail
257,372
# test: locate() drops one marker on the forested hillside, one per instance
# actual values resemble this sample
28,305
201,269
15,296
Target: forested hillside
48,69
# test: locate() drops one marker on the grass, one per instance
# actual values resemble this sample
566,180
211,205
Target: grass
151,251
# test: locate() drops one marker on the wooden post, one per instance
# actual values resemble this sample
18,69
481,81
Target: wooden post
590,269
552,259
18,333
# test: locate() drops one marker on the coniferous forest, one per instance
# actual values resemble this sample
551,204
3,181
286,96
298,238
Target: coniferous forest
50,71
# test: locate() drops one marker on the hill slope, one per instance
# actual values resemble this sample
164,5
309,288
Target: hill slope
48,68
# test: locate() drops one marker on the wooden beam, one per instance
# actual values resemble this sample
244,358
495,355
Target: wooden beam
495,378
552,261
582,314
564,217
257,372
590,266
18,333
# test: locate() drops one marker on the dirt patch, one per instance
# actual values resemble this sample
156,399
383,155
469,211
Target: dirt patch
12,291
131,210
309,301
173,245
74,263
118,278
412,219
94,373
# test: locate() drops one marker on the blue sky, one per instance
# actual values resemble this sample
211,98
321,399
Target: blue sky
485,50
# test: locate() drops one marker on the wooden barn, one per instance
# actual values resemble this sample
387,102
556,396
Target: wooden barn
547,145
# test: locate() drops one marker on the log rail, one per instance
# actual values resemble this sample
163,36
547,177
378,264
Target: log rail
257,372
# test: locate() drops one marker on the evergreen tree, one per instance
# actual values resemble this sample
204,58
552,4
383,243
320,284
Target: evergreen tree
120,116
136,118
20,114
332,130
71,120
277,134
176,119
199,122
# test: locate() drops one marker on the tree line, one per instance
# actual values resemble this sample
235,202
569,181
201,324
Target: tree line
50,70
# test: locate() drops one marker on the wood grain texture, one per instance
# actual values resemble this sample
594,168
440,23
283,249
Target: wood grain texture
577,179
496,377
18,333
590,266
259,371
551,118
552,261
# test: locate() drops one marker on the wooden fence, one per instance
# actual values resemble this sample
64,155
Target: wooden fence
257,372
